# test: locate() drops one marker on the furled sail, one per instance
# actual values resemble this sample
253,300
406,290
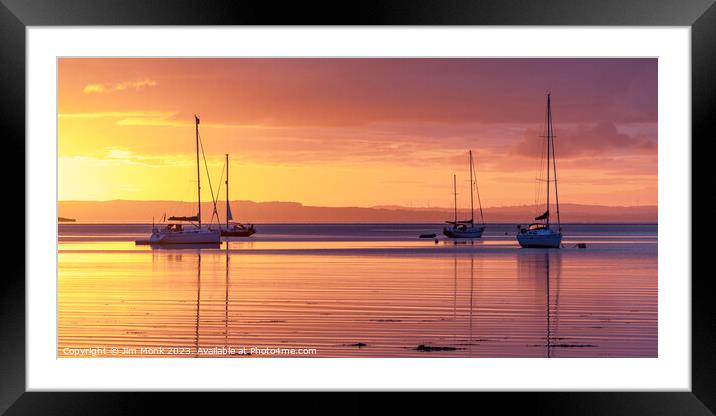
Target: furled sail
229,217
543,216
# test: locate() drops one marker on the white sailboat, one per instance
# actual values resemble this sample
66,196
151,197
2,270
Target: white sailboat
234,229
466,228
173,233
541,234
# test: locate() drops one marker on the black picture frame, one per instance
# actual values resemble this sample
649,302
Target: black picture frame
16,15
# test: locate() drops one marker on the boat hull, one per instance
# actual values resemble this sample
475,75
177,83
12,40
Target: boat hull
185,246
238,233
467,233
541,240
186,237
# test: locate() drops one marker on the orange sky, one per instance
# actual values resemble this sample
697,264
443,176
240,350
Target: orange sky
357,132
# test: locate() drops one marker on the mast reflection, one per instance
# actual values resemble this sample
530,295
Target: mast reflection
198,300
541,269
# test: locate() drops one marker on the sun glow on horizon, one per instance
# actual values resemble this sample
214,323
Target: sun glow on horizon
356,132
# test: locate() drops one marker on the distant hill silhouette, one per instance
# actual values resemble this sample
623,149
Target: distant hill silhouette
124,211
63,219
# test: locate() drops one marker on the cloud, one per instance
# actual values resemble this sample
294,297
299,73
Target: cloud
121,86
586,140
154,119
126,156
117,114
497,146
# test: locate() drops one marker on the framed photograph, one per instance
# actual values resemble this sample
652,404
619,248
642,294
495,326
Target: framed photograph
466,197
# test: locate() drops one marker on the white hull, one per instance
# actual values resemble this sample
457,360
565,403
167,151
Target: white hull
186,237
475,232
540,239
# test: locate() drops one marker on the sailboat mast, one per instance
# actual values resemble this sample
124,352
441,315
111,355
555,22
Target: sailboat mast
198,175
554,168
454,190
549,134
227,191
472,207
477,191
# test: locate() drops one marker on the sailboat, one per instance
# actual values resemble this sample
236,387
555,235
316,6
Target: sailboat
466,228
176,233
541,234
234,229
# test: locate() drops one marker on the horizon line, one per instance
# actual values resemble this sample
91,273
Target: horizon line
386,206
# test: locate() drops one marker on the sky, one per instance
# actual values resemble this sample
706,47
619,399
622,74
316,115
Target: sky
357,132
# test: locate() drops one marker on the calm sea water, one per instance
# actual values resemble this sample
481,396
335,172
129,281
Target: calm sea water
358,291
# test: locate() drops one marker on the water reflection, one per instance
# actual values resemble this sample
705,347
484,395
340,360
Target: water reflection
208,303
459,302
198,299
540,269
226,300
472,291
454,296
470,294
